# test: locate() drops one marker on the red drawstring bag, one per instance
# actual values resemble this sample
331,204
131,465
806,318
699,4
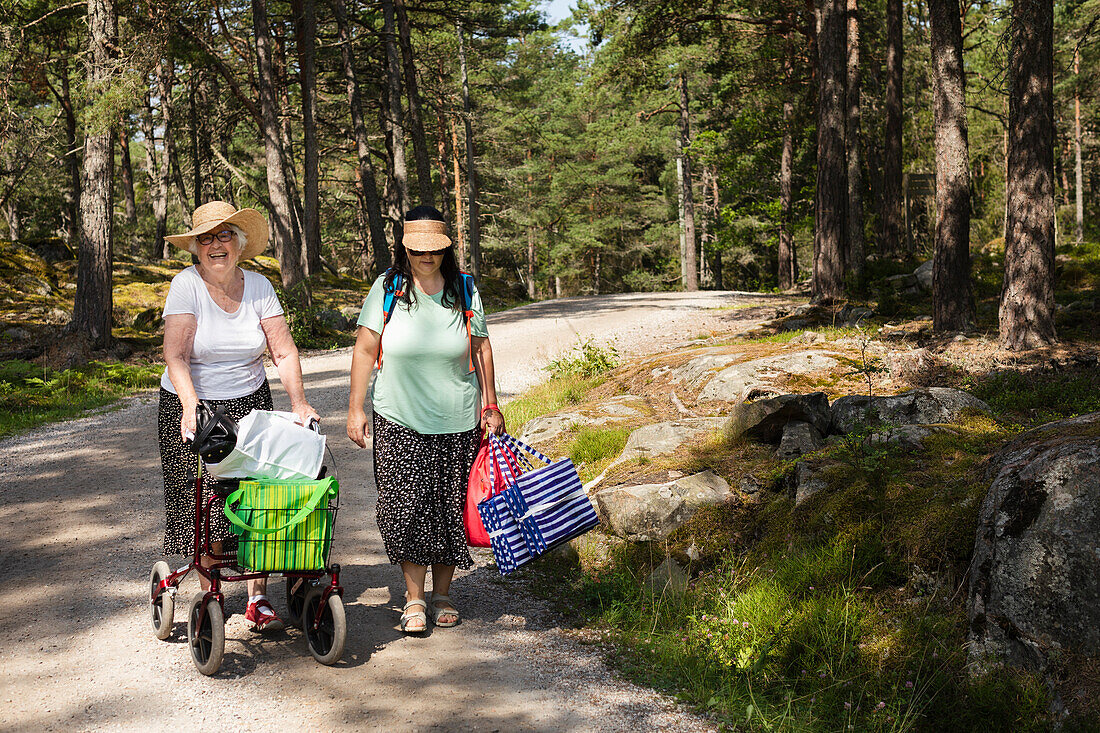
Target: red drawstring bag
483,484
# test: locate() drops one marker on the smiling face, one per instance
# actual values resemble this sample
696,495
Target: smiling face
217,256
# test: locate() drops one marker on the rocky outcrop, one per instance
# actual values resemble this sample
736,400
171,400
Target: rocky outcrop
649,512
734,383
665,437
1035,587
615,409
765,420
799,438
923,406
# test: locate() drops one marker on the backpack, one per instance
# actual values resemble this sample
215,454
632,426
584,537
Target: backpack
389,301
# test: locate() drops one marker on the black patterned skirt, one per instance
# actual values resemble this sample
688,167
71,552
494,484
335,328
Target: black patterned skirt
422,482
179,463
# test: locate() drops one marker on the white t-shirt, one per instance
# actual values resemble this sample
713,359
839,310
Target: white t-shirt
227,355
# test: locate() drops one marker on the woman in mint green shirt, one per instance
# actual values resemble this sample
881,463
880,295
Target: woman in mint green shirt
434,395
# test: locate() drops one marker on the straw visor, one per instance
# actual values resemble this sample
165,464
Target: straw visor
210,216
425,235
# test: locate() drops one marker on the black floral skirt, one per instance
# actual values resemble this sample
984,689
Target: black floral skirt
422,482
179,463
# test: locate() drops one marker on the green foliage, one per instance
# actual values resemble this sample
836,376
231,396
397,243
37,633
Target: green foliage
548,397
302,316
1042,396
591,360
31,395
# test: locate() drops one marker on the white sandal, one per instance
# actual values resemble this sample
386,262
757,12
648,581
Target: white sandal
407,616
438,612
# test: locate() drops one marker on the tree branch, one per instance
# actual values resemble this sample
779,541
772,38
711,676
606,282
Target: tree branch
224,70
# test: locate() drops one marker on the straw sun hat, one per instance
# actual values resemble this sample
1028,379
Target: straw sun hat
425,235
209,217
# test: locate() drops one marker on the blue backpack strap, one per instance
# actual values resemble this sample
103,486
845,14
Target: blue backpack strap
467,309
389,300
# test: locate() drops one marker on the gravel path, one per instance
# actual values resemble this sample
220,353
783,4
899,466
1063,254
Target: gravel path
82,520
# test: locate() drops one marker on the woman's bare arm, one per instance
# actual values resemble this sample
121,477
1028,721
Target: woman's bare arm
179,339
284,354
486,377
363,357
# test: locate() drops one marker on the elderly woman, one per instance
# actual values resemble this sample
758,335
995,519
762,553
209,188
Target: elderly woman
434,394
218,321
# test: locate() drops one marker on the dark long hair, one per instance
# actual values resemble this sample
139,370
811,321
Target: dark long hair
448,268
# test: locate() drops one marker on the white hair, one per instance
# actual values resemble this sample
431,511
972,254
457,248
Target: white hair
242,240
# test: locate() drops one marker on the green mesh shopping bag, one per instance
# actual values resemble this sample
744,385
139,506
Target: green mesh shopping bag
284,525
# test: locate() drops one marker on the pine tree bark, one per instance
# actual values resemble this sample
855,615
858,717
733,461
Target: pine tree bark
441,166
415,121
892,235
788,261
1078,168
394,116
854,257
460,223
1027,297
952,303
158,193
93,305
831,199
306,25
72,158
130,210
286,248
370,206
691,279
282,87
471,170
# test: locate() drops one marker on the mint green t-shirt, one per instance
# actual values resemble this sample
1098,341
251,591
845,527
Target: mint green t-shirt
425,383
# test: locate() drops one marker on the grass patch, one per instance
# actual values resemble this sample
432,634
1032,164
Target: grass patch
548,397
593,448
31,395
1039,396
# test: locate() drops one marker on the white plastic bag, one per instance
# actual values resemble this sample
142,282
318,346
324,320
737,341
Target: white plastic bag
272,445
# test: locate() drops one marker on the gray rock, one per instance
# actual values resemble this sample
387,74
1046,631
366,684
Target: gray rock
351,312
902,282
734,382
913,364
698,370
668,577
808,337
908,437
799,438
923,406
924,276
58,317
334,320
749,484
648,512
593,548
765,419
616,409
663,438
807,482
17,334
793,324
1035,589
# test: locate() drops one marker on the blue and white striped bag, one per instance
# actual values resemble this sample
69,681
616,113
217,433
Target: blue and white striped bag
541,508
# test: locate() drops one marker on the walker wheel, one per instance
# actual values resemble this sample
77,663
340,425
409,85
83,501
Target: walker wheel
206,636
326,642
164,608
296,599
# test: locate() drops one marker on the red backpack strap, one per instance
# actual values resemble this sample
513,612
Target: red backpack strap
389,302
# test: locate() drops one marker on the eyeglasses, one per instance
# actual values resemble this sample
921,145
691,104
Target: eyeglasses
416,253
223,236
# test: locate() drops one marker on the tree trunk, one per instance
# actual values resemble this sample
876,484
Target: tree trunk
441,166
471,171
420,143
892,234
1027,298
282,87
72,159
158,192
1078,168
788,262
127,173
831,200
306,25
460,224
854,257
13,219
394,117
286,248
92,307
691,282
952,304
370,207
680,211
704,227
716,258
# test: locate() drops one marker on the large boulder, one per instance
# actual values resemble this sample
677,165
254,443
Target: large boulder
799,438
764,420
649,512
1035,587
733,383
923,406
924,276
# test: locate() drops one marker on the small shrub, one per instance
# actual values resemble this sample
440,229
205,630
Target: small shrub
591,360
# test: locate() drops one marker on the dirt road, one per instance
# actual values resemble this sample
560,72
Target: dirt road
82,520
